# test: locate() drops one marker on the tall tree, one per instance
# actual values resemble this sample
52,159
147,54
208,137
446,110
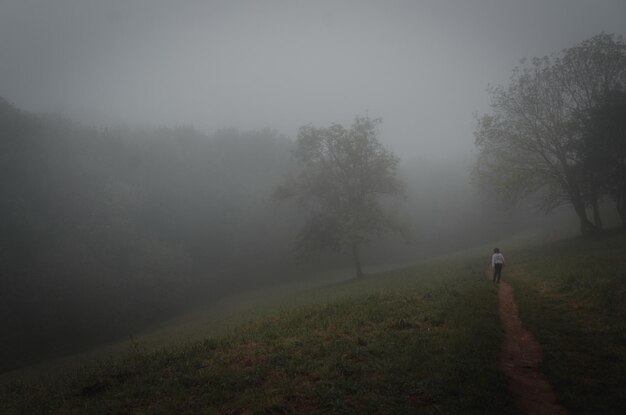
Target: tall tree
530,142
604,147
345,176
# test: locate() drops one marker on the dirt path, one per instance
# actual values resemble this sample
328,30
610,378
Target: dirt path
520,360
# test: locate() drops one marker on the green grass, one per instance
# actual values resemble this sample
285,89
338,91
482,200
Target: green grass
425,339
572,296
420,340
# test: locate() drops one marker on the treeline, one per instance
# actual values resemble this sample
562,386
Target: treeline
104,231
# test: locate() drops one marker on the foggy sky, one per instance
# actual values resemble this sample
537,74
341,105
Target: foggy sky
423,66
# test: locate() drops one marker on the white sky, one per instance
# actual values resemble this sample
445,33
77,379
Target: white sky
422,65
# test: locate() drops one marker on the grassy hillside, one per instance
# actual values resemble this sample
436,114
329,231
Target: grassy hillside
420,340
424,339
572,296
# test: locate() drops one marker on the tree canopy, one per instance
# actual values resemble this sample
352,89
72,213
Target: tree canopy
531,142
345,177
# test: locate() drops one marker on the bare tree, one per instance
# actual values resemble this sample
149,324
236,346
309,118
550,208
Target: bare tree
530,142
345,175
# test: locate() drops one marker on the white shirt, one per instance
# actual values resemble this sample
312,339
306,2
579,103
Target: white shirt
497,259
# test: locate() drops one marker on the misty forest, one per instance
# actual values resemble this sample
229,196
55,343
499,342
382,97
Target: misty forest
288,232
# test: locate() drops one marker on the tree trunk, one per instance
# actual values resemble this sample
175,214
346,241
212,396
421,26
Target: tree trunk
586,227
357,260
578,202
621,207
597,220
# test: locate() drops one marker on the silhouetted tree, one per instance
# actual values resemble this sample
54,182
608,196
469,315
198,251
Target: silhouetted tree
345,175
604,147
530,142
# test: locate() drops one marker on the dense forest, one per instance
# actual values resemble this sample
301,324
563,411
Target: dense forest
105,231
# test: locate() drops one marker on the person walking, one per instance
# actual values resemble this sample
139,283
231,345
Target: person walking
497,262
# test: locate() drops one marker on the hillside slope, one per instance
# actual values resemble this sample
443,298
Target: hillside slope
425,338
571,295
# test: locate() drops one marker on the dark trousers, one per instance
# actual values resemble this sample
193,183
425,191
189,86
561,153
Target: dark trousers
497,272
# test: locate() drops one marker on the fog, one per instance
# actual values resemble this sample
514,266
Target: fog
423,66
141,142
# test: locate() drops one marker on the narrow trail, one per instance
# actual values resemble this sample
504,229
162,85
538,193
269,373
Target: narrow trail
520,360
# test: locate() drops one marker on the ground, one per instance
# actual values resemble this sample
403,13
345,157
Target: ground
520,360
